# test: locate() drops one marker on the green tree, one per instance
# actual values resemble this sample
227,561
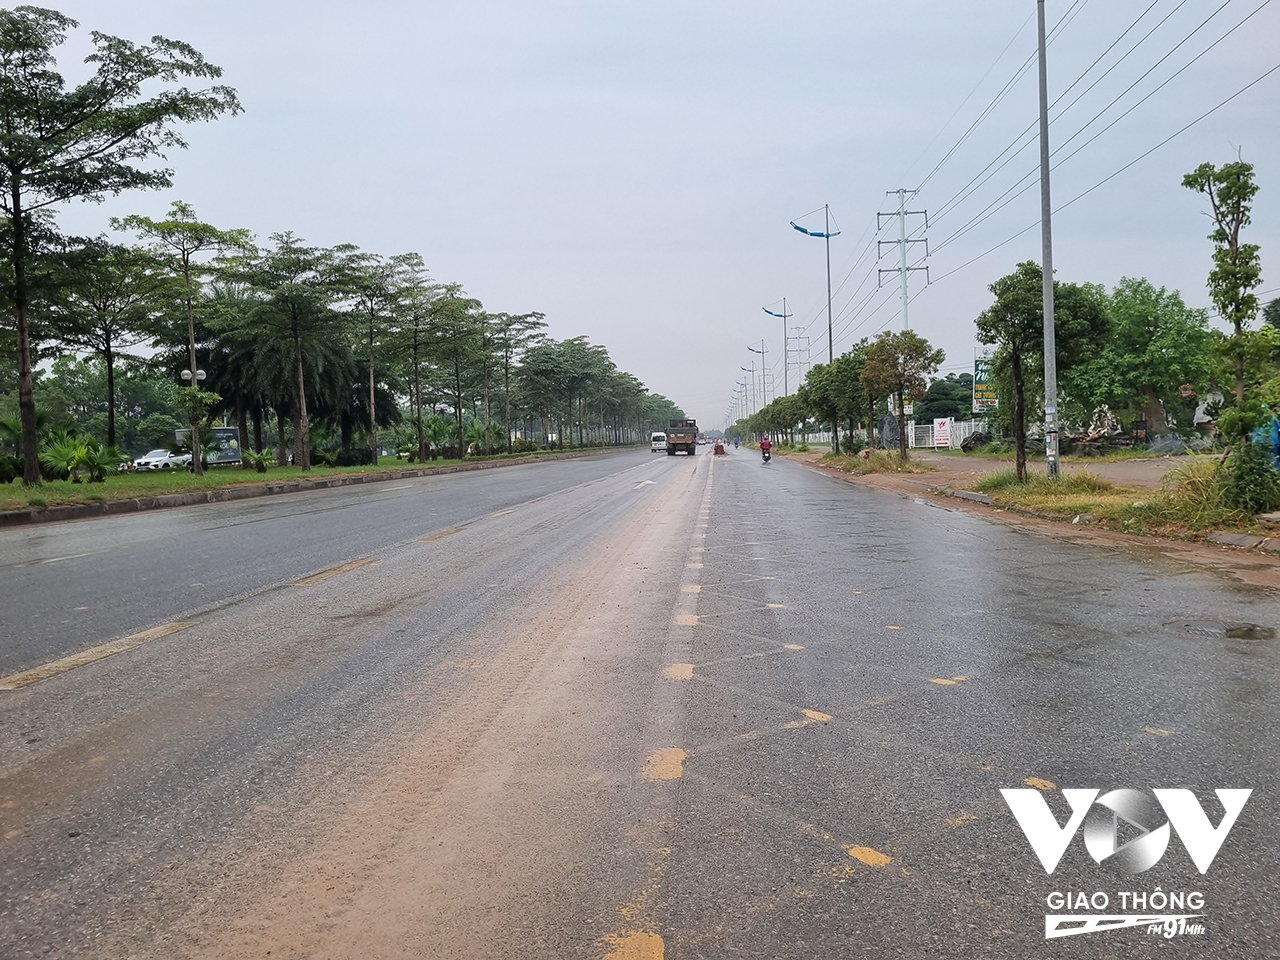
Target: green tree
1237,267
108,302
177,242
899,364
951,396
1157,346
88,142
1016,322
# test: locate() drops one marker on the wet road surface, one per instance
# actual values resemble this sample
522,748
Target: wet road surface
632,707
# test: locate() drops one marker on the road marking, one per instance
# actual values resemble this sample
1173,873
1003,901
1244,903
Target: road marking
774,606
811,716
964,817
1040,784
944,681
643,483
500,513
870,856
635,945
666,763
92,655
694,566
1158,731
691,588
679,671
687,619
332,572
892,626
792,646
439,534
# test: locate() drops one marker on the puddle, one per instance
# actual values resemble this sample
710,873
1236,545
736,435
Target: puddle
1231,629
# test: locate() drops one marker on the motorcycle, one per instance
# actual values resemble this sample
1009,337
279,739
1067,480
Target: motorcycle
766,455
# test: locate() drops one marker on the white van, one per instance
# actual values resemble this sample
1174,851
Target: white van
658,443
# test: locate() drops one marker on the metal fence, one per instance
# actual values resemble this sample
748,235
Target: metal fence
921,434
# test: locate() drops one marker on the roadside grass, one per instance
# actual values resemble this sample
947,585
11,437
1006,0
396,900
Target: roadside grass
154,483
1189,503
880,461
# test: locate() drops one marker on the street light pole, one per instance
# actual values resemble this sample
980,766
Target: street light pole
786,390
826,234
1046,243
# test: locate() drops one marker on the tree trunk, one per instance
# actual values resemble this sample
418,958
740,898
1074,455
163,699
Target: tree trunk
26,382
506,392
302,432
1153,412
1019,417
281,457
487,445
242,425
417,392
373,413
109,360
835,434
902,424
457,407
257,428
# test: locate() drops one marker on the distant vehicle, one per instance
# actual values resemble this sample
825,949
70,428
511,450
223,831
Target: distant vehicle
682,435
162,460
702,439
657,442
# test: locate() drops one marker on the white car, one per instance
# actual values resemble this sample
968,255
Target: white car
658,443
162,460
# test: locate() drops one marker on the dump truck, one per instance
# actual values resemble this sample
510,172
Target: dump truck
682,435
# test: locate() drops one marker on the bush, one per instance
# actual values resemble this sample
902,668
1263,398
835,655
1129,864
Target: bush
1250,483
10,468
852,445
521,445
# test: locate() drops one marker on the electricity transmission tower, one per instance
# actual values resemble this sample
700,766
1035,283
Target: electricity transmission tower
902,243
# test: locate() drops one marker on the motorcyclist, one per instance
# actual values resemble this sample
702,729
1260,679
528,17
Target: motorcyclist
735,443
765,447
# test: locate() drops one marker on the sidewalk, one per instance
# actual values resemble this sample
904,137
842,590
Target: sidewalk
956,470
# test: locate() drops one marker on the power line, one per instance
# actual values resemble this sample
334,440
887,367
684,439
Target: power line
1112,176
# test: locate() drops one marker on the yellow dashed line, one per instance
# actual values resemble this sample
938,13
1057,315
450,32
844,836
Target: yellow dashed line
774,606
1040,784
964,817
892,626
1158,731
817,715
666,763
635,945
792,646
449,532
500,513
687,619
679,671
92,655
870,856
332,572
942,680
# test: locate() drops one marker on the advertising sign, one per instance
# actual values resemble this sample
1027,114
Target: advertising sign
942,431
226,441
984,387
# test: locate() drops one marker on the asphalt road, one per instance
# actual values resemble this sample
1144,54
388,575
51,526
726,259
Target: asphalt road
631,706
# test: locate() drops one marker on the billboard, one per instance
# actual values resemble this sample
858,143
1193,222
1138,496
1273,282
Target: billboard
226,442
984,386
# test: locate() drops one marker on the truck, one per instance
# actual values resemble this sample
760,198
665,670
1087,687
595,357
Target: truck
682,435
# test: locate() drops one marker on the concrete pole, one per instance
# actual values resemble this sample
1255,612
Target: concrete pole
831,347
1046,241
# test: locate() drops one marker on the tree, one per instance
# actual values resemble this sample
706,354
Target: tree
177,242
84,143
899,364
1237,268
952,396
297,286
1016,322
108,302
1158,346
515,334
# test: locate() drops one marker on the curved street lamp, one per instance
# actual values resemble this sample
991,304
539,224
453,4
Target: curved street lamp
826,235
786,389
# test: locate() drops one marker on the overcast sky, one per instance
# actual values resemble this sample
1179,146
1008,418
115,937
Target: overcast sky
630,168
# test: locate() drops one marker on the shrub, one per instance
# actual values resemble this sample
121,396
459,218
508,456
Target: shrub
10,468
1249,482
257,461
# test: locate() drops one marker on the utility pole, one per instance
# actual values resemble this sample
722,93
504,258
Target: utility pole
825,234
902,243
1046,242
